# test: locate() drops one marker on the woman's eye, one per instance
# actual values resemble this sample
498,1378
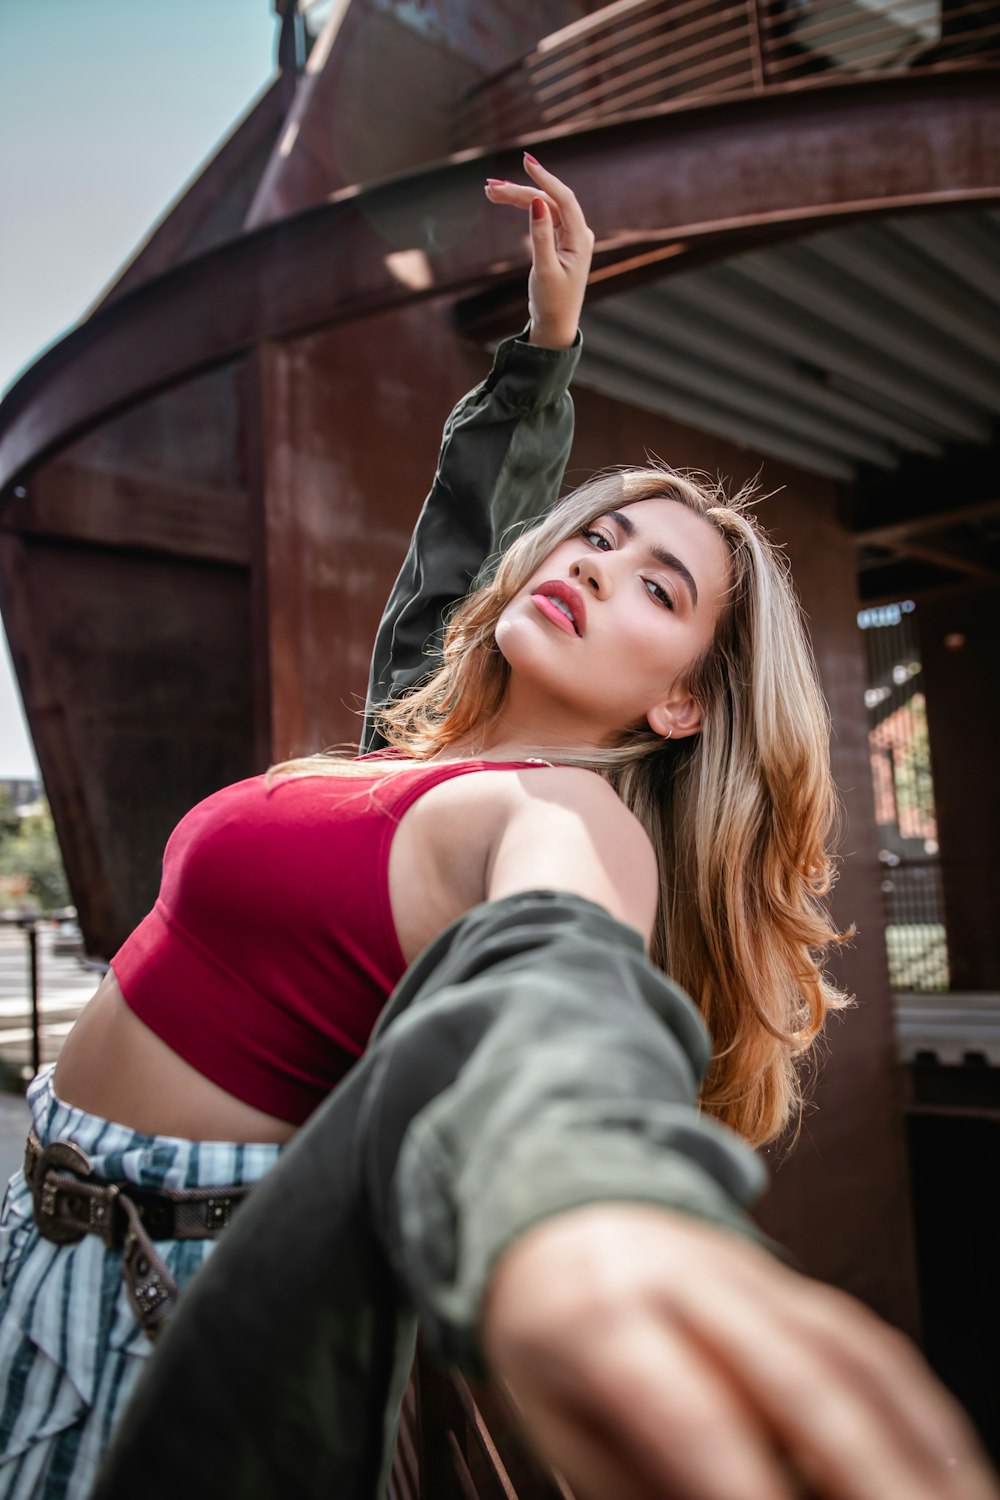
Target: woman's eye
596,538
658,592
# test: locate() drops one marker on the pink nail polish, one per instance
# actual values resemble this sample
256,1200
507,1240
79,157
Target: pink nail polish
537,208
533,159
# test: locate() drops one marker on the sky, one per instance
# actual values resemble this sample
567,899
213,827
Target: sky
107,108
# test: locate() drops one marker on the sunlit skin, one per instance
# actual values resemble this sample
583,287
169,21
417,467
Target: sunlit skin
647,620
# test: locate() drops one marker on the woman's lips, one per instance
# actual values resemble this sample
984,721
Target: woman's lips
544,597
554,613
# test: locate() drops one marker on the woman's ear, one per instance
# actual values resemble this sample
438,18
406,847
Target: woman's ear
676,718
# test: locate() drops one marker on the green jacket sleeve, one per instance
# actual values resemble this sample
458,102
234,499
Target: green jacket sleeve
578,1084
502,459
531,1060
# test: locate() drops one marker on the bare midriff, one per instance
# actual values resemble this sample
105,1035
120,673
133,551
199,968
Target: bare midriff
113,1065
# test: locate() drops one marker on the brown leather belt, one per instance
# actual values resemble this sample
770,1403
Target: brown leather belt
70,1201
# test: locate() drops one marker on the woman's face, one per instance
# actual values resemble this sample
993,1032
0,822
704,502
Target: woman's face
608,626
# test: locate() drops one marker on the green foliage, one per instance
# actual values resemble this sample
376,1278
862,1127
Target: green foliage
31,868
9,820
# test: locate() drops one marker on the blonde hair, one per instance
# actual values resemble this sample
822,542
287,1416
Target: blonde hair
739,815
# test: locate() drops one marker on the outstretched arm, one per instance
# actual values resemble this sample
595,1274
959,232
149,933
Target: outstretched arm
504,449
651,1346
282,1362
521,1144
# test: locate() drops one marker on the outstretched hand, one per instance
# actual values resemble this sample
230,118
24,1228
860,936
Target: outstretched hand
562,244
653,1355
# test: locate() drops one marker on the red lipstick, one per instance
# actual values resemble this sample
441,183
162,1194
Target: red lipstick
544,597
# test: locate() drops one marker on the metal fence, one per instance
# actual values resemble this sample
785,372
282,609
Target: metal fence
43,988
915,936
913,884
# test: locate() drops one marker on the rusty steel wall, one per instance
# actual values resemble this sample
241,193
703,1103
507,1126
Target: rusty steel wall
124,580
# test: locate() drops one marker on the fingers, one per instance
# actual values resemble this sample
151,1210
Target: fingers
543,239
561,249
637,1411
859,1417
569,210
567,215
516,195
692,1358
625,1404
888,1374
666,1408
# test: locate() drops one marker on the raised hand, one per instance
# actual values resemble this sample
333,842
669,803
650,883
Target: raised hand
562,244
654,1356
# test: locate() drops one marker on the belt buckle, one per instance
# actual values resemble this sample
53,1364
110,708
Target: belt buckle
59,1156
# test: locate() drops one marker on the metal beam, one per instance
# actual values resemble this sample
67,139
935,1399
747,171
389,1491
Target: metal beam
890,536
139,512
945,557
800,159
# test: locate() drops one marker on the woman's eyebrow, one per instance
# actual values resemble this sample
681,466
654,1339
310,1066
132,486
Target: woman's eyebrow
668,559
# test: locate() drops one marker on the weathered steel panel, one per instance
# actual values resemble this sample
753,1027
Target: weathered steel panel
125,586
348,428
136,679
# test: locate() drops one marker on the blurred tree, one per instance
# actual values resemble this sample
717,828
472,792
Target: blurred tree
30,862
9,820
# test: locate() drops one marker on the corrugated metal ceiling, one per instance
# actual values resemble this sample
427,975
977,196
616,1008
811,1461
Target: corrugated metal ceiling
849,348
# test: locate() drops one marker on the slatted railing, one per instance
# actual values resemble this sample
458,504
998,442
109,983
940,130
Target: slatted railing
636,54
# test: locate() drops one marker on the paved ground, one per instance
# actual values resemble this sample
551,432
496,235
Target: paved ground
65,986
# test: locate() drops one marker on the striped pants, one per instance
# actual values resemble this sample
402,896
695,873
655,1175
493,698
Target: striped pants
70,1349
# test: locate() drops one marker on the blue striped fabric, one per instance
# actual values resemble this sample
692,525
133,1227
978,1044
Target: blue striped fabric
70,1349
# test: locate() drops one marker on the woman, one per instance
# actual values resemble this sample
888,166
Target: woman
625,715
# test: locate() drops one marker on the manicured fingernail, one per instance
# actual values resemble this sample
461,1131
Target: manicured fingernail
496,181
533,159
538,208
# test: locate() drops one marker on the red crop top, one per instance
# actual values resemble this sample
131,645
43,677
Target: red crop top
271,948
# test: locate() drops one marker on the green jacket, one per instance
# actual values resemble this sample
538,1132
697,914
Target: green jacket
531,1061
503,454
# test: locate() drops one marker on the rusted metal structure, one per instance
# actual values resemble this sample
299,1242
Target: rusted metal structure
206,487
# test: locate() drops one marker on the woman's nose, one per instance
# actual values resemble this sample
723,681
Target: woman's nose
589,573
